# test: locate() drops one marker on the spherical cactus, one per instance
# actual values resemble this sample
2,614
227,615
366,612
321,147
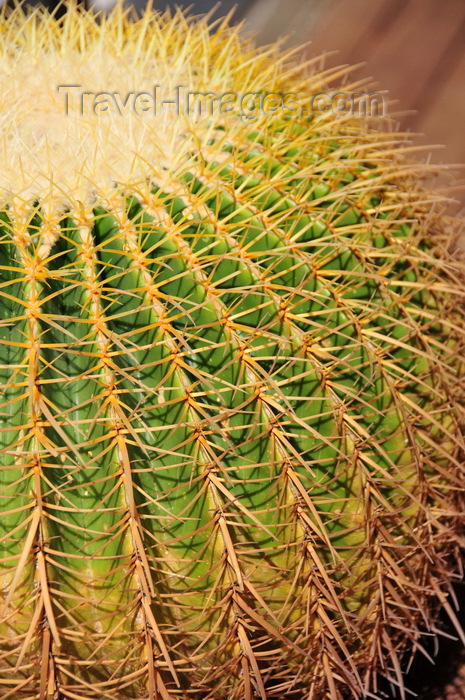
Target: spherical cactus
231,358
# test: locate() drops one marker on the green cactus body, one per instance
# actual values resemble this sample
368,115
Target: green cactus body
230,423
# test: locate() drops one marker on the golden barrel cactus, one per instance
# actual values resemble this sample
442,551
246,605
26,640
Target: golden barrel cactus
231,357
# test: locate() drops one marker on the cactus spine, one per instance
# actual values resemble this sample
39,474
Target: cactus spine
231,418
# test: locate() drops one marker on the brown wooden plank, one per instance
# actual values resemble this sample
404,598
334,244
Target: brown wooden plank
408,53
272,19
342,23
444,122
401,42
444,70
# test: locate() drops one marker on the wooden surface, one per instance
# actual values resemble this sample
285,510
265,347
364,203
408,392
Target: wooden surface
415,49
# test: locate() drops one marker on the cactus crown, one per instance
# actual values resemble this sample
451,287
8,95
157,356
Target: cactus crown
230,380
74,155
